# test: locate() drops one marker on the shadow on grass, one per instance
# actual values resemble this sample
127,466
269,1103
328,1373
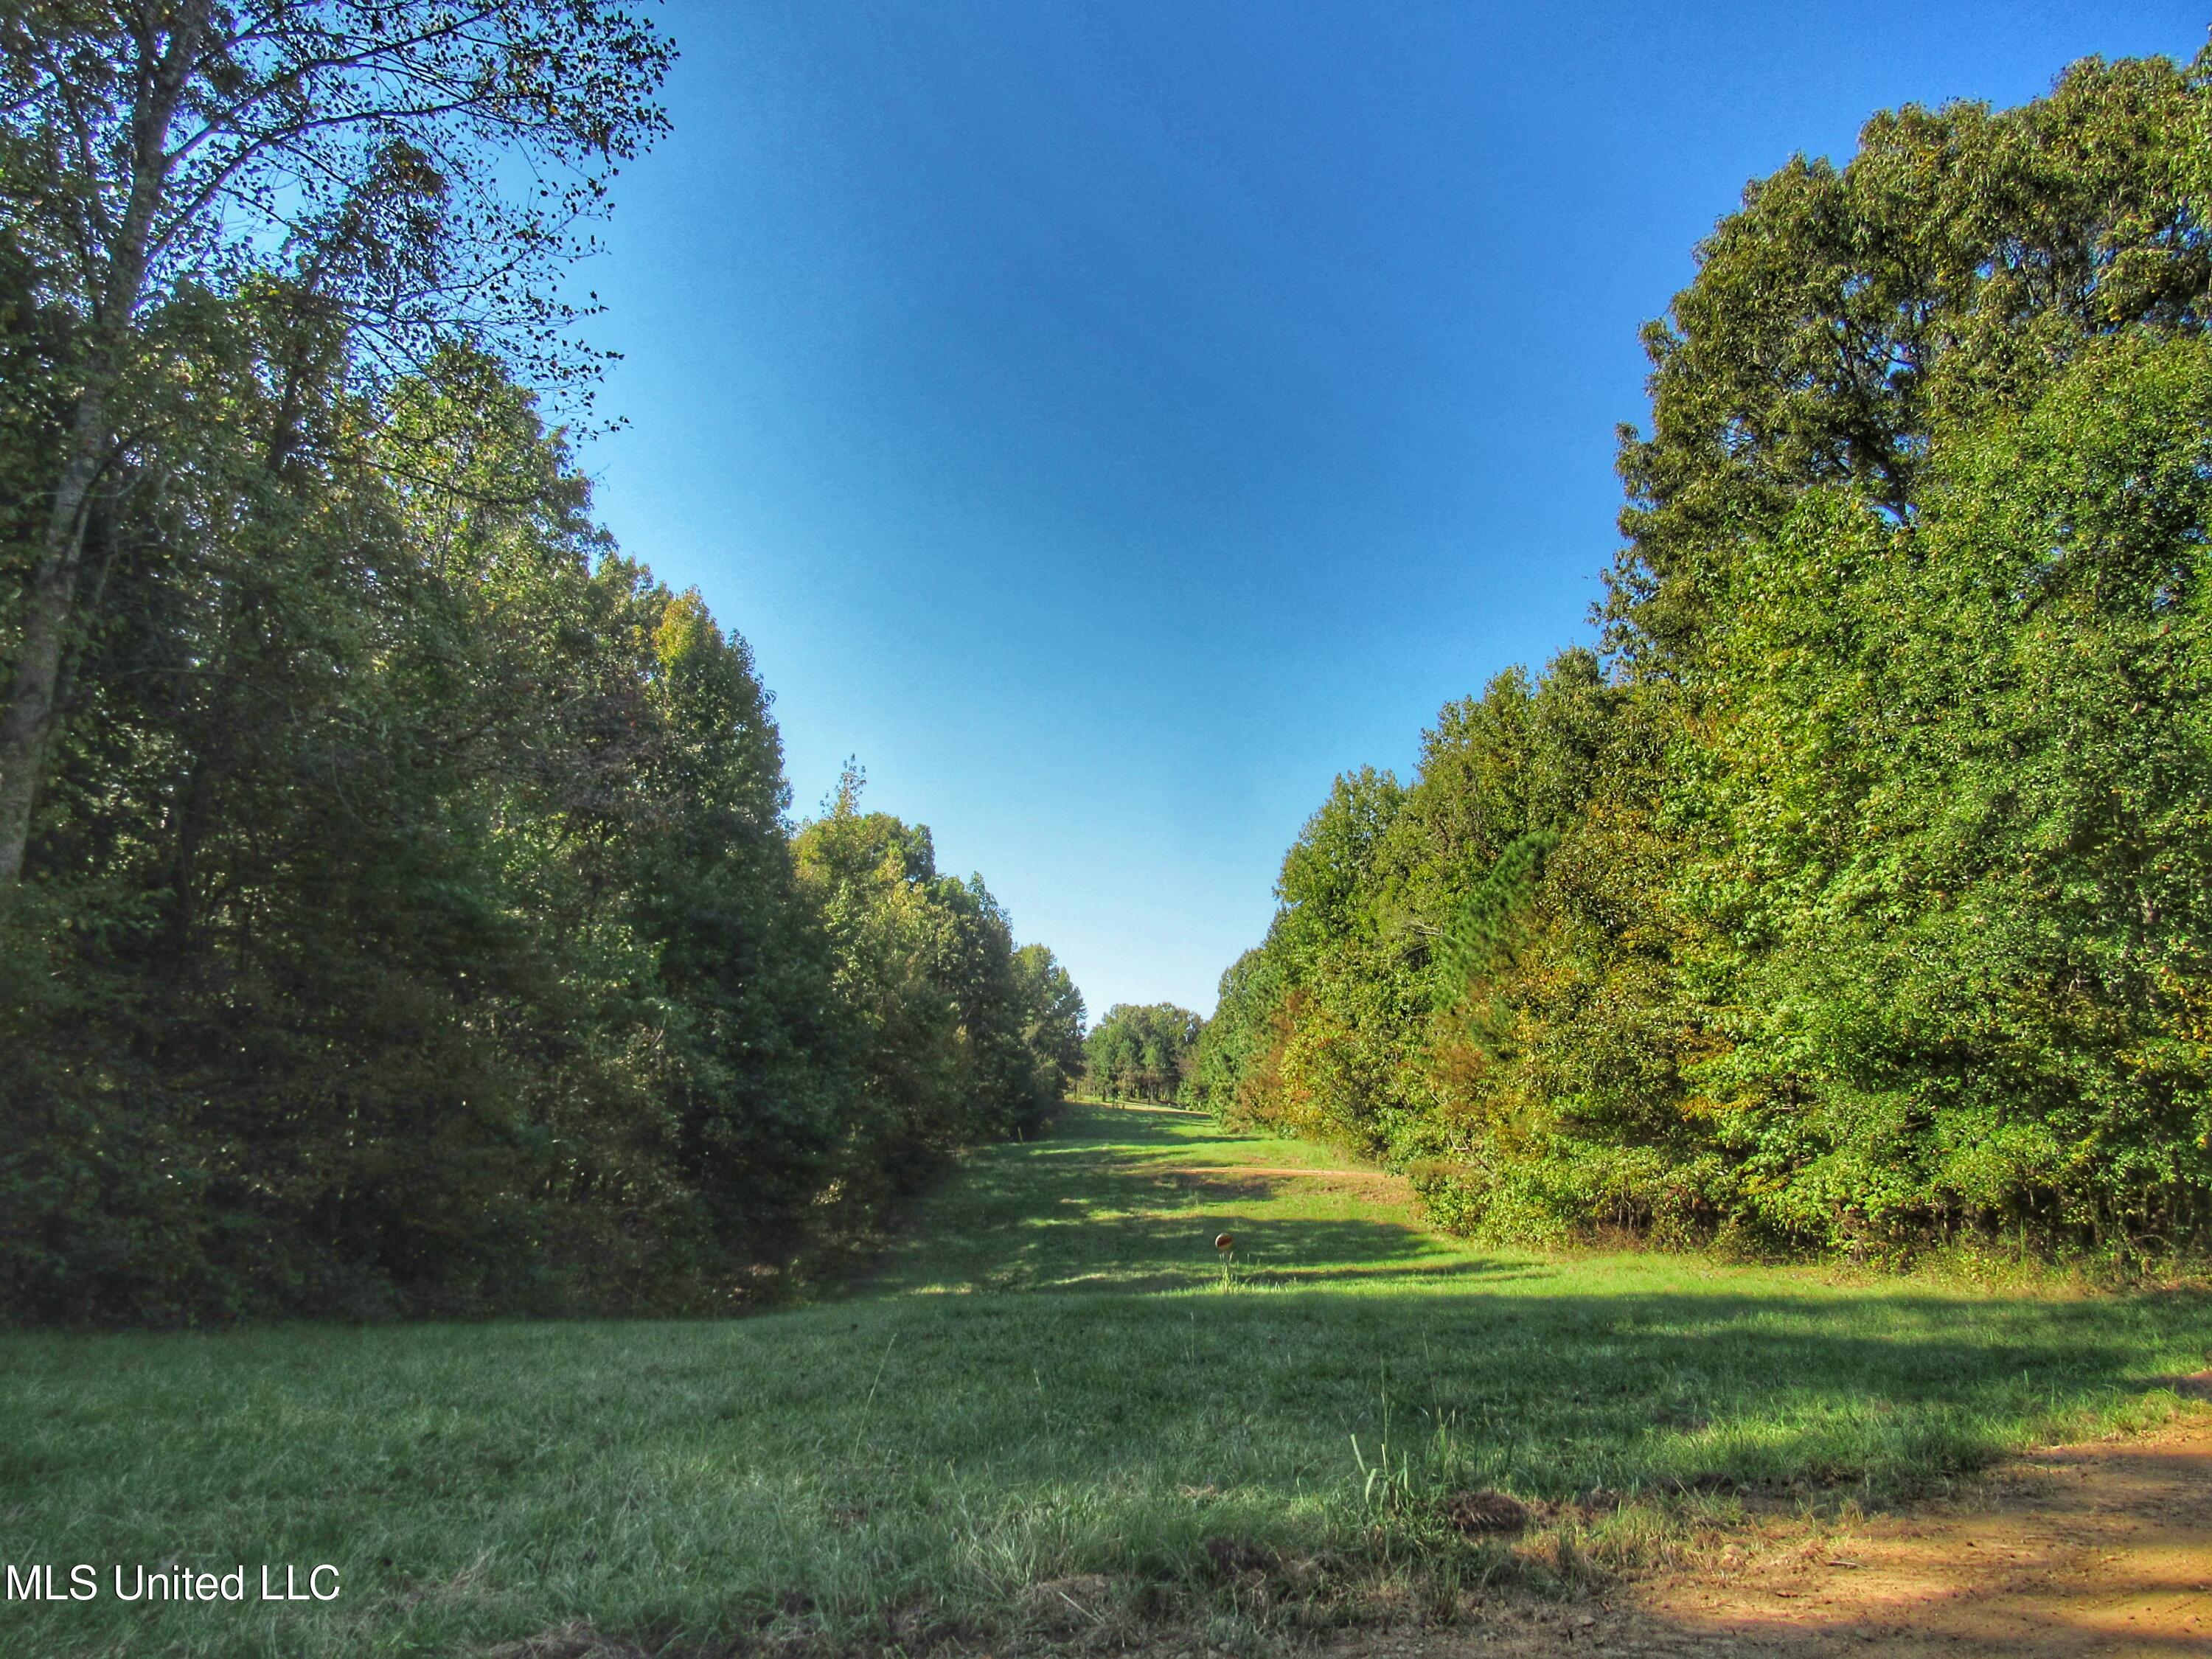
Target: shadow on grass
1545,1395
1089,1211
1560,1376
882,1444
843,1457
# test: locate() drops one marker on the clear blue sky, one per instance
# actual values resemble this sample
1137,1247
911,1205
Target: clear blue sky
1110,420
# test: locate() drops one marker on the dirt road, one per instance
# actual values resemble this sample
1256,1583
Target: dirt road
2100,1549
2103,1549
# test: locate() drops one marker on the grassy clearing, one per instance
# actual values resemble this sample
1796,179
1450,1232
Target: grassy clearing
1046,1378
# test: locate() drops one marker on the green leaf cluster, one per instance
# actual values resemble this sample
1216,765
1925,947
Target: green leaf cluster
1857,895
415,922
1139,1052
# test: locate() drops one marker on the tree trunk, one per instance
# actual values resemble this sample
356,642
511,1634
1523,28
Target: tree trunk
31,708
28,728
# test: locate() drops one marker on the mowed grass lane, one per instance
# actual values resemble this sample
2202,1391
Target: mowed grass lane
1047,1377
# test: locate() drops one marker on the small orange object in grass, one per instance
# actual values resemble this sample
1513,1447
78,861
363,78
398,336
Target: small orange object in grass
1225,1242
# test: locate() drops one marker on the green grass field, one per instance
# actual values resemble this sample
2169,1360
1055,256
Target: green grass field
1048,1377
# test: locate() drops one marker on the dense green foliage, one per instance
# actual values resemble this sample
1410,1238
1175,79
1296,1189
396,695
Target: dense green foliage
1139,1052
961,1036
1858,895
410,918
1048,1379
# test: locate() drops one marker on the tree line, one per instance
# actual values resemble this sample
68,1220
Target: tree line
1139,1052
1854,892
400,907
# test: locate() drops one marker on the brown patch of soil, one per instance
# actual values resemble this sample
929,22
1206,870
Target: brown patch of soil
1372,1177
576,1640
1486,1512
1250,1181
2103,1549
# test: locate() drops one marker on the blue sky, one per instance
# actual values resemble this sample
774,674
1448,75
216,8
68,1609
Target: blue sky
1110,420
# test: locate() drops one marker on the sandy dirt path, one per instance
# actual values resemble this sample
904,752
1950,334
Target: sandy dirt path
2079,1550
2102,1549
